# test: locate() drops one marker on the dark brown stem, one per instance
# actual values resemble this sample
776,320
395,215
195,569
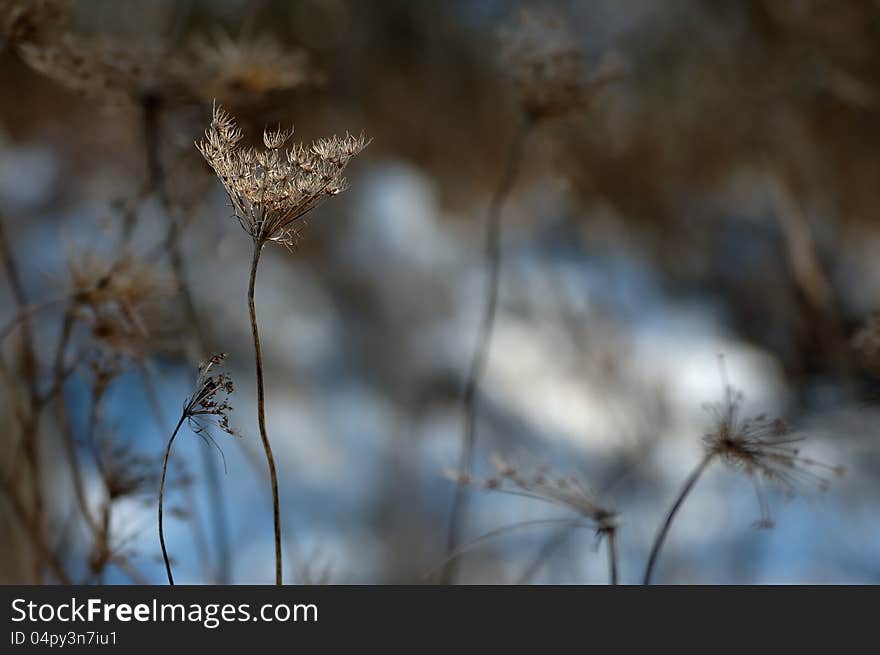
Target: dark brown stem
170,245
611,536
664,528
29,420
484,339
200,539
261,409
162,498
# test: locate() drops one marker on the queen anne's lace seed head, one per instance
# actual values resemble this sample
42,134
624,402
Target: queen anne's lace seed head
764,449
209,404
539,482
271,190
241,68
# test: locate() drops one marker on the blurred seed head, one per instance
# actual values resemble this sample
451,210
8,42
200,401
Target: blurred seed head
545,63
539,482
272,189
114,297
764,449
239,69
32,21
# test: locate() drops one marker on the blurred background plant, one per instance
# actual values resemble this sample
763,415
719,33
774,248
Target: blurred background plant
714,194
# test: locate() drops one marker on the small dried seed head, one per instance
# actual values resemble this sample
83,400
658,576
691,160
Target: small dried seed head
764,450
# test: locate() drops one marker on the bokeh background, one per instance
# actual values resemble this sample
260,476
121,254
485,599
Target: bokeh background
715,195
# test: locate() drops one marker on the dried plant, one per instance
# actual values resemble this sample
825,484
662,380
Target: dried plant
271,191
32,21
538,482
240,69
116,298
762,448
207,406
547,66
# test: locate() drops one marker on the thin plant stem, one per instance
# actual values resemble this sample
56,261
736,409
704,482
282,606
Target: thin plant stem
200,539
611,537
30,420
667,522
481,353
67,436
261,410
549,548
162,498
170,245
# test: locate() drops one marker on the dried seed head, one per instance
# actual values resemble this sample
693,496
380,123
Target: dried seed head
537,481
548,65
239,69
114,297
114,70
32,21
271,190
764,449
209,403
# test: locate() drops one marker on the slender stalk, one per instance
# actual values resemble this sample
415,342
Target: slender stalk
63,418
480,355
30,420
170,245
664,528
261,409
162,498
200,539
611,536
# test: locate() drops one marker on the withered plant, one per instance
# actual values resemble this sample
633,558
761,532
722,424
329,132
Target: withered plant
270,191
207,406
538,482
547,66
762,448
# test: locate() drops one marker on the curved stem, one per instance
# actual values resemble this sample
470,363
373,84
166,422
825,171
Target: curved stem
162,498
481,353
261,410
612,555
664,528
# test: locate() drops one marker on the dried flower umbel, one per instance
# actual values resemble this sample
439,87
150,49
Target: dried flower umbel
540,483
208,405
546,64
762,448
270,191
240,69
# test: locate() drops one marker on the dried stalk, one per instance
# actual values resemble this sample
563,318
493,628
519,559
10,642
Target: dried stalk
481,353
664,528
261,411
162,498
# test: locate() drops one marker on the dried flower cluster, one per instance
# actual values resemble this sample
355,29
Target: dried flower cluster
112,297
762,448
272,189
209,403
545,63
32,21
569,491
240,69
